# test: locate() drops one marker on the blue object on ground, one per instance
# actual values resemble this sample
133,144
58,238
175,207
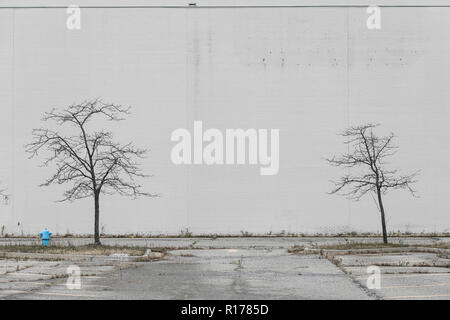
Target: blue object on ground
46,236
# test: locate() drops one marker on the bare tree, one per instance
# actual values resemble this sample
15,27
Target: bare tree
367,154
91,162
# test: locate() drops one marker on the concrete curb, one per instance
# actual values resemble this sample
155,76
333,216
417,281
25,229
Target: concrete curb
47,256
148,256
377,250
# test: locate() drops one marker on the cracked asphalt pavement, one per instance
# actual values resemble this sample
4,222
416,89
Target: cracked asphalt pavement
231,269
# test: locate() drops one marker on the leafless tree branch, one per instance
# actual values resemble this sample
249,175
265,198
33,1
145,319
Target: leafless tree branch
91,162
367,154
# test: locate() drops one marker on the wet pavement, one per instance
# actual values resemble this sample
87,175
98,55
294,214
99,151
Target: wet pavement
233,268
220,274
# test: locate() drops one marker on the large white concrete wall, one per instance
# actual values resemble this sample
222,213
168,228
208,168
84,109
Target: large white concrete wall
309,71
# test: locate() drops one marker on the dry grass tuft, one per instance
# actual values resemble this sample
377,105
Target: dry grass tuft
85,249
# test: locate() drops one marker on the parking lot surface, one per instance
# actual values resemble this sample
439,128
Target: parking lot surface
231,268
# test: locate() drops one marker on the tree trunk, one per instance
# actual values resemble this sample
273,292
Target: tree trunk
97,215
383,220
